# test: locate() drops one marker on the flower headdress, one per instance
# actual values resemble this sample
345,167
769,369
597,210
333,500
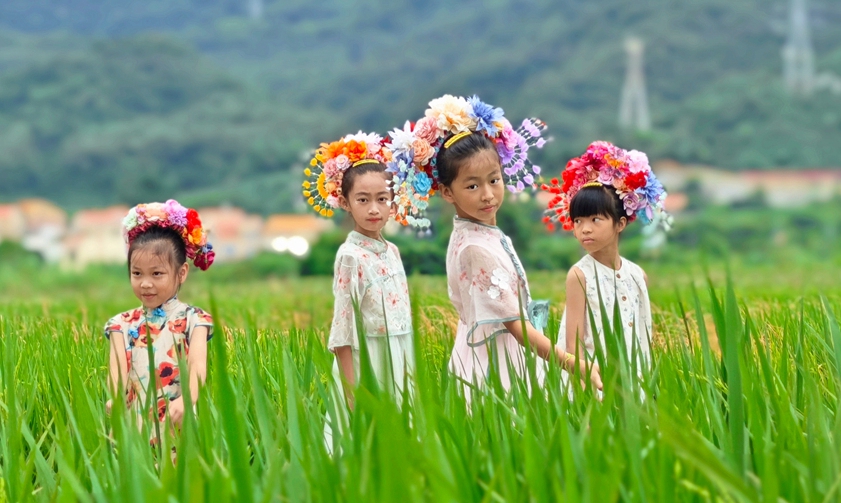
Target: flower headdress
323,182
604,164
172,215
447,120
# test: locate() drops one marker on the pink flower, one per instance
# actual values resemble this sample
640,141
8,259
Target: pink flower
333,201
638,162
423,151
331,169
426,129
508,136
342,162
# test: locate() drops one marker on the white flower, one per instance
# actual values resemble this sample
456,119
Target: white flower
130,220
371,140
493,292
401,139
501,279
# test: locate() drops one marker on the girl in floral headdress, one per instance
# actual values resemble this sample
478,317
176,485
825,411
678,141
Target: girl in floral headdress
161,239
601,192
474,153
369,279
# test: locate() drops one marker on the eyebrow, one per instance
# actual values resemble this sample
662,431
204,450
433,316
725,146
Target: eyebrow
368,194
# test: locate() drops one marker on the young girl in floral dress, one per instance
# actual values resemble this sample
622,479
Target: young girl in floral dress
473,153
161,239
369,278
601,192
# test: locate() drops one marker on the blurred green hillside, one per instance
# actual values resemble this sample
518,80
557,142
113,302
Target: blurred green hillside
104,101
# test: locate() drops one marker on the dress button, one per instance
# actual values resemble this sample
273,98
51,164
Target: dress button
618,276
631,324
624,298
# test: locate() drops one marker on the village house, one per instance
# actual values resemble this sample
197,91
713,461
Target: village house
12,222
96,237
234,234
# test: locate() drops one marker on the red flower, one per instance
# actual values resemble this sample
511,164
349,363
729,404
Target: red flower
193,220
569,179
177,326
635,181
132,316
167,373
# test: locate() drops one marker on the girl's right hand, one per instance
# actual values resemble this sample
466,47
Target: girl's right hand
595,374
108,405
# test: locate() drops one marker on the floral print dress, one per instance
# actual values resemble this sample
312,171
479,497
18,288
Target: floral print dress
167,328
369,272
626,286
487,285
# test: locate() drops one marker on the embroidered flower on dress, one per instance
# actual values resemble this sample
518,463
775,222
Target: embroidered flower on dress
500,280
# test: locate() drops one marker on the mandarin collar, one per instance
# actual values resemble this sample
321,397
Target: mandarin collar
377,246
461,223
166,309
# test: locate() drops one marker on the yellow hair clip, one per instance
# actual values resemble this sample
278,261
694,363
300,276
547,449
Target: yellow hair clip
364,161
456,138
592,184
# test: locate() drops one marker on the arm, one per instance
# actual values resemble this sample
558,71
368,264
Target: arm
576,310
541,345
117,366
345,357
197,361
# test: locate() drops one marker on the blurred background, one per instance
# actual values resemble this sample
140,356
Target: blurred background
219,103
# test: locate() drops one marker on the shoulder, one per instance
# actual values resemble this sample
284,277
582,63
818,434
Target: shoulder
477,251
348,254
123,321
200,314
635,270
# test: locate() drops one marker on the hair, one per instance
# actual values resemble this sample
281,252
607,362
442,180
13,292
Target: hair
591,201
163,242
352,174
450,159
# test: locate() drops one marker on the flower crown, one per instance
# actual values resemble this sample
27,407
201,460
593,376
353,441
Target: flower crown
171,215
604,164
323,182
447,120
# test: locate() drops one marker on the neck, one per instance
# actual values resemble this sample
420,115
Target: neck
378,235
464,216
608,256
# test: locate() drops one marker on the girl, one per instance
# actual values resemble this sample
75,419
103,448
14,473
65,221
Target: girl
478,155
351,174
161,238
602,192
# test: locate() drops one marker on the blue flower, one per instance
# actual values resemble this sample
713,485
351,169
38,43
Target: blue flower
158,312
642,214
132,332
653,189
422,184
485,115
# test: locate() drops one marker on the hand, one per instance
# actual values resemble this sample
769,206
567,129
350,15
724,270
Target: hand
108,405
595,374
176,410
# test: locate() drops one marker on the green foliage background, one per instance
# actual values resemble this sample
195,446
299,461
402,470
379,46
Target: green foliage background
127,101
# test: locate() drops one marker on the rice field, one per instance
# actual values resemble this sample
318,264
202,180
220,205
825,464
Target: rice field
741,404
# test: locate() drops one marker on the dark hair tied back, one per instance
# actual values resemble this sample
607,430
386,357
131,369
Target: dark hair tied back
591,201
353,173
450,159
161,241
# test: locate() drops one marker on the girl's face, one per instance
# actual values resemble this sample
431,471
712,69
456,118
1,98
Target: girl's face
477,191
597,232
153,279
369,203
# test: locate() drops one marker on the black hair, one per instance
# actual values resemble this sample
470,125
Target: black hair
161,241
352,174
449,160
591,201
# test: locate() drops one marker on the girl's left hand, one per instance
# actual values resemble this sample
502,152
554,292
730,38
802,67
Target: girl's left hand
176,410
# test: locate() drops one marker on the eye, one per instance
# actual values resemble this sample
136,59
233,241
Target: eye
597,219
361,200
577,221
496,181
384,200
157,273
472,187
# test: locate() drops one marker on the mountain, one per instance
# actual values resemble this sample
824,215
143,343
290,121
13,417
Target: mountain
126,101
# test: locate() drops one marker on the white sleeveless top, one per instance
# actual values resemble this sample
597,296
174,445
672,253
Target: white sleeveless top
625,285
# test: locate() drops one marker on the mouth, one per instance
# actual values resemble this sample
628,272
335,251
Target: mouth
488,209
374,220
148,295
587,241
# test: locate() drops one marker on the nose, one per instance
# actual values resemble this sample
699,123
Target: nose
487,194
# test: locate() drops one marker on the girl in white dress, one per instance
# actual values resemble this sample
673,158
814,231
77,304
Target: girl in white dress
473,154
369,278
601,193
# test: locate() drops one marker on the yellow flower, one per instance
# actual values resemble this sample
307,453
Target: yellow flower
323,213
308,172
306,193
311,201
317,208
306,184
314,162
322,190
329,213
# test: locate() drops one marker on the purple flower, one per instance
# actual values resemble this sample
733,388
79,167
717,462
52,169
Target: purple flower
177,214
528,179
529,127
540,143
520,186
535,169
505,154
485,115
512,189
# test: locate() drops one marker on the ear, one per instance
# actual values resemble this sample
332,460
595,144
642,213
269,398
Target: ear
623,222
343,203
183,271
447,194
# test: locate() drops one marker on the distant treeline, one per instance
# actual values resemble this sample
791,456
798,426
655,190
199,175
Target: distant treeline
104,101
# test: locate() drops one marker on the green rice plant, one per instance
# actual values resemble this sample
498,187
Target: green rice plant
741,403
